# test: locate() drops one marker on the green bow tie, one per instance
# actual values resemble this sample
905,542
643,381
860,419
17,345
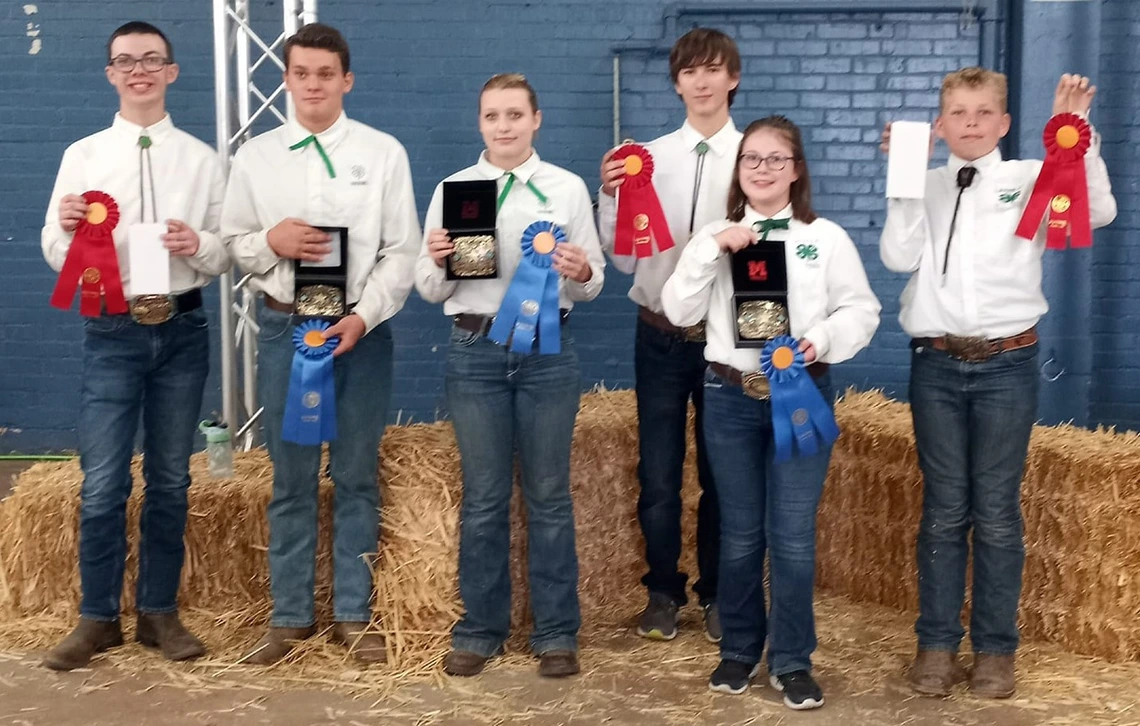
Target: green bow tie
312,139
507,190
764,226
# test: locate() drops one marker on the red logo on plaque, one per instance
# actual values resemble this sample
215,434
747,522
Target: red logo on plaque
470,210
758,270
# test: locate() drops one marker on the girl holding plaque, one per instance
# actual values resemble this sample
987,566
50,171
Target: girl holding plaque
771,269
513,380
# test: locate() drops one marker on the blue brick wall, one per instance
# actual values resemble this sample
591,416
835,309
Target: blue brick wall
840,76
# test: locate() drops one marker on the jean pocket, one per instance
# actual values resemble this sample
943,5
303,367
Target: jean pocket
273,325
194,319
1020,356
712,380
106,324
461,338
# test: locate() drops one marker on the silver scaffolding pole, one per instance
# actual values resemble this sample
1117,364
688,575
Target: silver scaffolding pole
239,52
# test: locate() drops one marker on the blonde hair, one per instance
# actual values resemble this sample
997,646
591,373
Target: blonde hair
975,77
510,80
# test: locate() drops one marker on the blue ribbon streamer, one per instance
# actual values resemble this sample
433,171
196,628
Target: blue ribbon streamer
530,306
310,405
799,413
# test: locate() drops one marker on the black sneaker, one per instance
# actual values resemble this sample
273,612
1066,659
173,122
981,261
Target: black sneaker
800,690
713,630
659,619
732,676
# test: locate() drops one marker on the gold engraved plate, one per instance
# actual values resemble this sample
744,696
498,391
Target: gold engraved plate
322,300
694,333
474,256
762,319
756,385
152,309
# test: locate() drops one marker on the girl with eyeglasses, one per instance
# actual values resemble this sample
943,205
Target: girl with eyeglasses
769,505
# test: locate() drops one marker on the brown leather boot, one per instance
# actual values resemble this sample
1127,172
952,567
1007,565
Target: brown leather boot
276,644
166,631
992,676
81,645
935,672
464,663
366,646
558,664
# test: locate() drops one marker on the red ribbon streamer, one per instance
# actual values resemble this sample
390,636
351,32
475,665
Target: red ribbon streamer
640,219
91,263
1061,187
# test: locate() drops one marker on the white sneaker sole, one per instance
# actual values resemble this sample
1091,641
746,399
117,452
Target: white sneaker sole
807,705
725,688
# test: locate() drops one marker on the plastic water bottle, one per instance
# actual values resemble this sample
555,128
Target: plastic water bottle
219,449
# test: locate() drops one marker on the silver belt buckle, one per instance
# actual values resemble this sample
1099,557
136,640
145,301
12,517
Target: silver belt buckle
756,386
152,309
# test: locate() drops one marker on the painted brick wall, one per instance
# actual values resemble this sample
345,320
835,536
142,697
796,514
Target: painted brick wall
419,66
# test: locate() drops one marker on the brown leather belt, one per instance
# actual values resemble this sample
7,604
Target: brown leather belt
690,334
976,350
481,324
274,304
755,384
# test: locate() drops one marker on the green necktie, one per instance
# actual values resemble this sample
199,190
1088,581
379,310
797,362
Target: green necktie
312,139
507,190
764,226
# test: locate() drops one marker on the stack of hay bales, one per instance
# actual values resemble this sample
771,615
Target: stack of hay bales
1082,495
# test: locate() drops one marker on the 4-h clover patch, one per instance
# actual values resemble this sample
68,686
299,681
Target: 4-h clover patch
807,252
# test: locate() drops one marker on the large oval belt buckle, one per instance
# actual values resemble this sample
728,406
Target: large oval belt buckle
152,309
756,386
694,333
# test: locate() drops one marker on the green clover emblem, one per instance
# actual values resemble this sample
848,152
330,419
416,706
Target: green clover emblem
1009,197
807,252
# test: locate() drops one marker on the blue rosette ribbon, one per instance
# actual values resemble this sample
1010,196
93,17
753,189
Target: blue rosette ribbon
800,416
530,306
310,405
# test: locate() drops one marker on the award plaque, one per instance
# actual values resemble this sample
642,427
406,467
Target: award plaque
320,289
469,218
760,297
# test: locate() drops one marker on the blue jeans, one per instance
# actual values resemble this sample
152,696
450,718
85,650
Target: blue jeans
971,425
764,506
500,403
157,371
363,381
669,371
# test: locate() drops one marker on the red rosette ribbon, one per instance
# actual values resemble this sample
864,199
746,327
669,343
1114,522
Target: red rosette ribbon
91,262
1061,187
640,219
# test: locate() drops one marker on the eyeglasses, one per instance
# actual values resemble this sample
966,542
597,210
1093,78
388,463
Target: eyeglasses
775,162
150,63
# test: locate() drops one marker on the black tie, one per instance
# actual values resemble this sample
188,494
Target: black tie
965,178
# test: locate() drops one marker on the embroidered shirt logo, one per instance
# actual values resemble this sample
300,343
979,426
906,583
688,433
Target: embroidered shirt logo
1009,196
807,252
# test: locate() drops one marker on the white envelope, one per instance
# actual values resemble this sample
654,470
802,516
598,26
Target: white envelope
149,259
908,159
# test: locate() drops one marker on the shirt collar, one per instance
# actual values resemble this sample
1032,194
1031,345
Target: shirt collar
751,215
158,132
523,172
984,163
329,138
722,143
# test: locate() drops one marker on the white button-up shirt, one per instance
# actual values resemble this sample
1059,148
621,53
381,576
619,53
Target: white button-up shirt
188,186
674,172
992,285
371,195
567,205
830,302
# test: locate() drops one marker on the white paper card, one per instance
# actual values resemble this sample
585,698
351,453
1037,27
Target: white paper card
332,259
908,159
149,260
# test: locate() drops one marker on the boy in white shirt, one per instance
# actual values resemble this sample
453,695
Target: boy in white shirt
152,361
692,171
971,308
323,169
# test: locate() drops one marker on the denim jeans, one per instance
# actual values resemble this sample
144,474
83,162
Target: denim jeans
157,371
500,403
363,383
669,371
971,425
764,506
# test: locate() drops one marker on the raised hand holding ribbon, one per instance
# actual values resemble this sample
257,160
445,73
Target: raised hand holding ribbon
92,264
530,306
310,405
1061,188
640,218
801,419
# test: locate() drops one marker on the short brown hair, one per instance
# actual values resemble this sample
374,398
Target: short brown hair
701,46
322,37
510,80
975,77
801,187
138,27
